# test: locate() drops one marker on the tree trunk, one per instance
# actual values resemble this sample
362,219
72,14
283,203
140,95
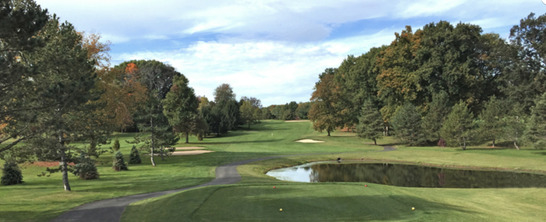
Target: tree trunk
516,145
153,144
64,164
187,137
328,132
493,143
374,141
464,143
64,169
162,153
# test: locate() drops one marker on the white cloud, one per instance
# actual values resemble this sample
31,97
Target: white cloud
270,49
275,72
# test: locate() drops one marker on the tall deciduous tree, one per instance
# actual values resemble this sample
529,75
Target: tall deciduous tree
458,125
225,109
525,79
158,79
180,106
323,111
370,123
247,113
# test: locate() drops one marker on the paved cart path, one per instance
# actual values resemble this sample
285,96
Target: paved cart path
112,209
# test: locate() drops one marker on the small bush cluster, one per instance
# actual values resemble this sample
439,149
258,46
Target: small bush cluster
11,174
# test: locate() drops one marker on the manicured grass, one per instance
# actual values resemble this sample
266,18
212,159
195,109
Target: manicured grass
254,199
341,202
42,198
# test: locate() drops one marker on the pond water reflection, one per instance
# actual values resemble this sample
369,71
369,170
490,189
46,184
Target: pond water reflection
407,175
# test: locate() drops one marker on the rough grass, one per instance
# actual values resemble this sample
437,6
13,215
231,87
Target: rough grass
43,198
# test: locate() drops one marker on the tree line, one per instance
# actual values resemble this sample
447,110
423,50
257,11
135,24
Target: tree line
58,91
443,84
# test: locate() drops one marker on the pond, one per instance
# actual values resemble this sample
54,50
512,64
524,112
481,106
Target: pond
407,175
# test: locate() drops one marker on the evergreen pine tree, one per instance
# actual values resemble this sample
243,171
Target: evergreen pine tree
119,163
491,124
134,158
370,123
458,125
537,125
85,168
11,174
514,125
407,124
116,145
434,118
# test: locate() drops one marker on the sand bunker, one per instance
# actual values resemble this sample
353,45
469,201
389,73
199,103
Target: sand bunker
189,148
309,141
296,121
192,152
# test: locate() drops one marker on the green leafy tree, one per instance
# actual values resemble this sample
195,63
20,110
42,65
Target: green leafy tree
491,126
11,174
370,123
303,110
247,113
118,162
225,110
158,80
458,125
323,112
134,157
180,106
525,78
356,77
537,123
407,124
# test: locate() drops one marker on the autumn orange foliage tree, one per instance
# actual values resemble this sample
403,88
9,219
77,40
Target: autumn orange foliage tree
324,113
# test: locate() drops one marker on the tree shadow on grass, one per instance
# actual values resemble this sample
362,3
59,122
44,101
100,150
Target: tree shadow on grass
265,204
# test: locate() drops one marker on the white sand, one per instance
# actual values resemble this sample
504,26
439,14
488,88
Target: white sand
189,148
309,141
296,121
193,152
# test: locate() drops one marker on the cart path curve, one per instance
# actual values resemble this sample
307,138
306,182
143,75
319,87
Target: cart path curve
112,209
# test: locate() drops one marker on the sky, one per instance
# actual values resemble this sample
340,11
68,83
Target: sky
273,50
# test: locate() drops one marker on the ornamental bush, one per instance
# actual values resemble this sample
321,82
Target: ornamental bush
85,168
119,163
116,145
11,174
134,158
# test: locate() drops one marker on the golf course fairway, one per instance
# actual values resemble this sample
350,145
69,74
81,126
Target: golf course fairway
258,197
